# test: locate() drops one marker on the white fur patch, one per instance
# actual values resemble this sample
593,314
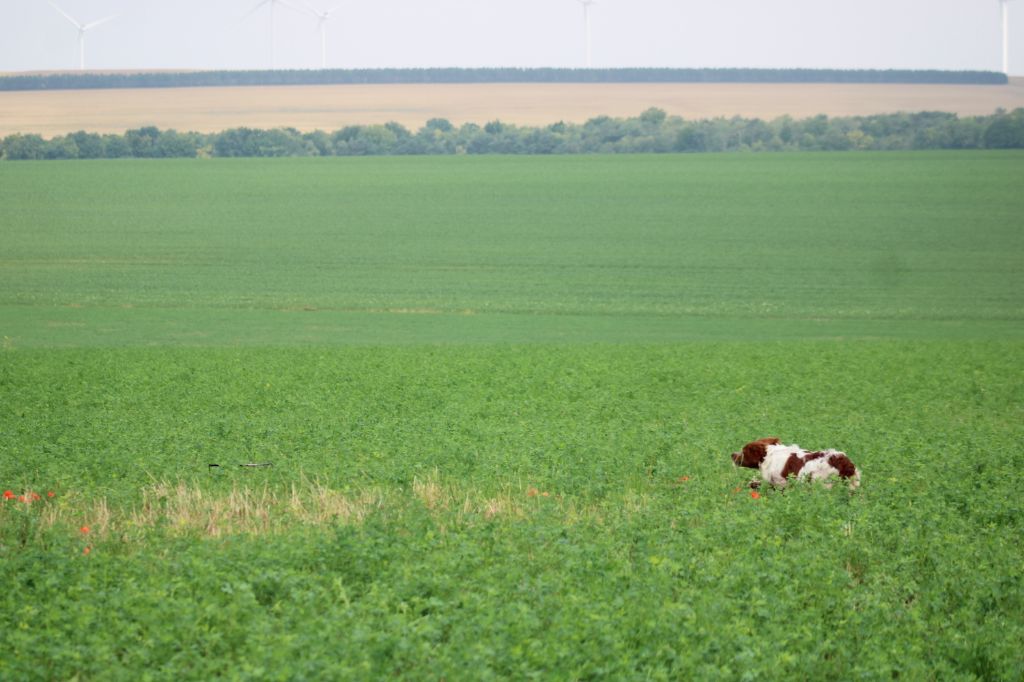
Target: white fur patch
816,469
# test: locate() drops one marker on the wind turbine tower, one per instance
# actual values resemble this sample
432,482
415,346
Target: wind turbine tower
1006,35
586,30
321,22
82,28
273,26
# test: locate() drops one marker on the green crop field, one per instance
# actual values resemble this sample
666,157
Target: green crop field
498,396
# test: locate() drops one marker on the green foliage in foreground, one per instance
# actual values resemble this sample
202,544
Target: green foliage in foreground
623,570
446,503
651,132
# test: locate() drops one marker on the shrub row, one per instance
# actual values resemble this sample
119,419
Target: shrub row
64,81
651,132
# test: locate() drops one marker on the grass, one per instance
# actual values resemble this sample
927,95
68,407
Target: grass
539,489
587,248
517,511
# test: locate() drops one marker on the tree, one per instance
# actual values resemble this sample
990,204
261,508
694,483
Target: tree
171,144
23,147
835,140
967,133
441,124
816,126
653,118
691,139
650,132
318,143
279,142
541,141
602,132
62,147
340,139
142,141
1006,131
399,130
785,127
235,142
368,141
757,134
115,147
90,145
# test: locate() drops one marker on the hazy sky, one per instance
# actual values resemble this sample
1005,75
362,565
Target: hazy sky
882,34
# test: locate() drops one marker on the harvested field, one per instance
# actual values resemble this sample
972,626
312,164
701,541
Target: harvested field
329,107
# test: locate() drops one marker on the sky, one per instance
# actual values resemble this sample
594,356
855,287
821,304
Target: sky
227,34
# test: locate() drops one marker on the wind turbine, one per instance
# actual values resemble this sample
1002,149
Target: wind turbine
1006,35
586,27
321,21
82,28
273,25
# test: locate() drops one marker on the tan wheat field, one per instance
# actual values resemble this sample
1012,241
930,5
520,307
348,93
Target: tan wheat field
329,107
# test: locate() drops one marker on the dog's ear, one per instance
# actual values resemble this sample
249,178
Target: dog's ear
754,453
843,465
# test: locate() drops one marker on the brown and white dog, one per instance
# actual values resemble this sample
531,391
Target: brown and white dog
777,462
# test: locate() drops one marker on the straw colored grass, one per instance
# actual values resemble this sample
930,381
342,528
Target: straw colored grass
440,497
192,508
188,507
330,107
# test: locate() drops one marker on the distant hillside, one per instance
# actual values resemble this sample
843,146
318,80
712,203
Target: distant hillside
180,79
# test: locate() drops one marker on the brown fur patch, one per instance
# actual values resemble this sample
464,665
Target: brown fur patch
792,467
811,456
754,453
843,464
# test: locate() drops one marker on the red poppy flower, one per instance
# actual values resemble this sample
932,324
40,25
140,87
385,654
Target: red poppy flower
85,530
8,495
51,494
22,498
86,550
35,497
756,495
683,479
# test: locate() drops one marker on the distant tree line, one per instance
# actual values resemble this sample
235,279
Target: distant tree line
170,79
653,131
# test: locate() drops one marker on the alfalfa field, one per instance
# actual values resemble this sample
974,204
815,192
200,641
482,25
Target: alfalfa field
497,398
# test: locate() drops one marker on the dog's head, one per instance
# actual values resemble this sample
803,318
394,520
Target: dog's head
753,453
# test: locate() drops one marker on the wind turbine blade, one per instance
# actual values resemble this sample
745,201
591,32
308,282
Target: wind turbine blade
67,16
96,23
294,8
256,7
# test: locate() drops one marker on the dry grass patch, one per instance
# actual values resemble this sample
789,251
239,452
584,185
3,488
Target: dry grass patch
190,507
187,507
197,508
441,497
